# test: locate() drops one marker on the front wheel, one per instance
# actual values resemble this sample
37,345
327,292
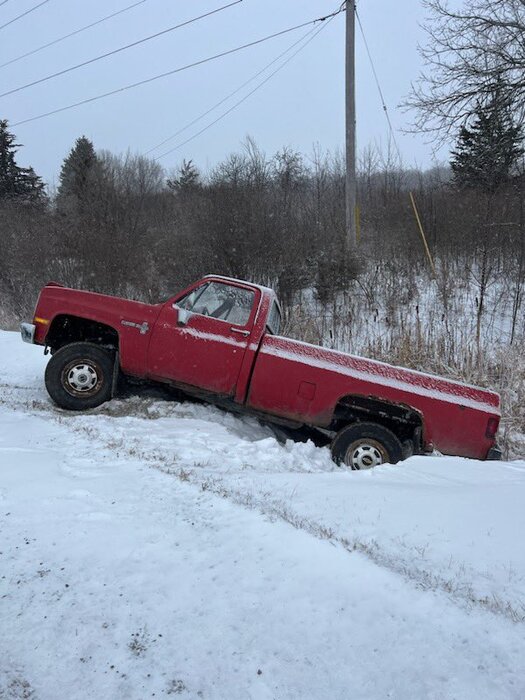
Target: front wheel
80,376
366,445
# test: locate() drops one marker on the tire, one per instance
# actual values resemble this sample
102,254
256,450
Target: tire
366,445
79,376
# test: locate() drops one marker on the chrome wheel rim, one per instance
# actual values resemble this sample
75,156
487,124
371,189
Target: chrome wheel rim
365,454
82,378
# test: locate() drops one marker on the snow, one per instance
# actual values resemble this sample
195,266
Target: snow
154,549
215,337
378,368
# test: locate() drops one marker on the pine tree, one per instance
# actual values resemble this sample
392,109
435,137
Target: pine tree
77,173
16,182
488,151
188,178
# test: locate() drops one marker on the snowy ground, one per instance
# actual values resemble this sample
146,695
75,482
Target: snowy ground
154,549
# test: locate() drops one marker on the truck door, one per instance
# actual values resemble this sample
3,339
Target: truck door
201,339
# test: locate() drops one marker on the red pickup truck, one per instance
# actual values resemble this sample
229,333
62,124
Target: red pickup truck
219,340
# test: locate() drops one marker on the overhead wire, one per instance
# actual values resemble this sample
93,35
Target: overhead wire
120,49
180,69
396,145
378,85
249,94
231,94
4,2
27,12
74,33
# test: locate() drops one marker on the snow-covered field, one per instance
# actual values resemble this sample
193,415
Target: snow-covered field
154,549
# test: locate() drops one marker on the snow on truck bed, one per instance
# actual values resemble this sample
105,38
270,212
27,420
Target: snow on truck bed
155,549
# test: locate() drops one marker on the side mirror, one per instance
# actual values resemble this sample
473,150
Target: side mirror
183,315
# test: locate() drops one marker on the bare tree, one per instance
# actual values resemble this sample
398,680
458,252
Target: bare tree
470,53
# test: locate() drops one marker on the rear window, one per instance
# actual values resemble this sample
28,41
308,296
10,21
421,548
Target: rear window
274,320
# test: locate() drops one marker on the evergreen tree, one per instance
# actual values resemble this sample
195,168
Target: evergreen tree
488,151
77,176
16,182
188,178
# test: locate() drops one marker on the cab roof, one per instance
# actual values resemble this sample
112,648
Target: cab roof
267,291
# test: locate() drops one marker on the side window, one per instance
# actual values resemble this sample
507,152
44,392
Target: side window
221,301
274,320
190,299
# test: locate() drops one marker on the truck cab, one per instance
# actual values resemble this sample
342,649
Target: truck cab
208,335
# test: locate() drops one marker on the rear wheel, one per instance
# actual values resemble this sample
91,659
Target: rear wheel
366,445
80,376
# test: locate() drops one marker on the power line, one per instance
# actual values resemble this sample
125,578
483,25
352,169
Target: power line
67,36
115,51
239,102
175,70
394,139
379,89
4,2
257,87
27,12
231,94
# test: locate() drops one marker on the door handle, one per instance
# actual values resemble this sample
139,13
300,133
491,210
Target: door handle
143,327
240,331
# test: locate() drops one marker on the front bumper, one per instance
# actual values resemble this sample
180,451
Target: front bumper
494,453
27,331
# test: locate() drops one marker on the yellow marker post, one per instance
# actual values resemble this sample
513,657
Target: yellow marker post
422,232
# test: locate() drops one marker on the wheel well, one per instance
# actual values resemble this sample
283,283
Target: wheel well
405,422
73,329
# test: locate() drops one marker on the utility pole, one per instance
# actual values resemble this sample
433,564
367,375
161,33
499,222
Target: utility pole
351,182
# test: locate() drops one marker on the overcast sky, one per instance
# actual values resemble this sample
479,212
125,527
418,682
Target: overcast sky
300,106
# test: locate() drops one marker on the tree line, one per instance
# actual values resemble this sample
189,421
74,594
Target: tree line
122,225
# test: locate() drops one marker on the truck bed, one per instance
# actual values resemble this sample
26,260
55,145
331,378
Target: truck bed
308,381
